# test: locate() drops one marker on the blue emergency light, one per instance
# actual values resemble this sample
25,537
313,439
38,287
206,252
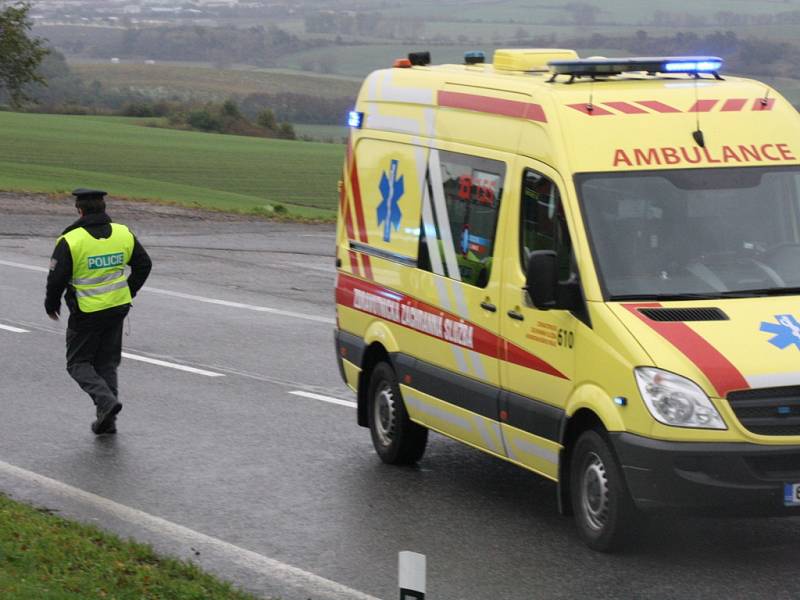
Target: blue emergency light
606,67
691,66
474,57
355,119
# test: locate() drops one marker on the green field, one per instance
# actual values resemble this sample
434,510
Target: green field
323,133
53,153
207,83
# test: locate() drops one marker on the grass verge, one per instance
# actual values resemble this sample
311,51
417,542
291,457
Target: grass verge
46,557
56,153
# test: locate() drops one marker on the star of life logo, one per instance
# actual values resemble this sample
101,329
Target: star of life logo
392,189
786,331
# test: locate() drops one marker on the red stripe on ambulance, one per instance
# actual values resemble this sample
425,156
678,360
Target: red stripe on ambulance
657,106
626,107
348,216
590,109
719,371
518,356
703,106
494,106
424,318
362,226
734,104
763,104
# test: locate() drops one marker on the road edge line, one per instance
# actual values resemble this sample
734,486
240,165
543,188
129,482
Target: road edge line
287,574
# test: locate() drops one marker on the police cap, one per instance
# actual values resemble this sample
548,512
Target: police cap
85,194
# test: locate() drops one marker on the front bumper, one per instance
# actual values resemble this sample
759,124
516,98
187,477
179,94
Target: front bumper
718,478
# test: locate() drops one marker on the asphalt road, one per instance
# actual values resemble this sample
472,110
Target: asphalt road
272,489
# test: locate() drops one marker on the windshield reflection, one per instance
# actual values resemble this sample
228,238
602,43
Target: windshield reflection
694,232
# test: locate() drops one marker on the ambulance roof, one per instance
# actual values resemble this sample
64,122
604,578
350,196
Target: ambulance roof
589,124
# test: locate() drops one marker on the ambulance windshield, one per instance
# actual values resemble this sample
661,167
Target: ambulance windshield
694,232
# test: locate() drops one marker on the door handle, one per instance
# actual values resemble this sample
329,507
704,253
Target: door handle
488,306
516,315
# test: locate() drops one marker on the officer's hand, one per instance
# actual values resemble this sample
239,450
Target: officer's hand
53,315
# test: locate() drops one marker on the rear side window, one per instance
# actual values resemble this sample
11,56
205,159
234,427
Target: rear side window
464,193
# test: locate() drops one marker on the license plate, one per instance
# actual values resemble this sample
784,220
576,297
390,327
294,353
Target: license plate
791,494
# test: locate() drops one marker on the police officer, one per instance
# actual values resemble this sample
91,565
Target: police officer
89,263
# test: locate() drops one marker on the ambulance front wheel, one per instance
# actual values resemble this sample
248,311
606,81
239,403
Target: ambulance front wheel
397,439
603,509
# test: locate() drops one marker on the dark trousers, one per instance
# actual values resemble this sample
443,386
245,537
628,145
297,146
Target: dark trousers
93,355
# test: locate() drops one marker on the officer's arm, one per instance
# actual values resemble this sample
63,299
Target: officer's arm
58,277
140,264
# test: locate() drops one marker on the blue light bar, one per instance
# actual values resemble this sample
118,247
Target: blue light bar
606,67
355,119
702,66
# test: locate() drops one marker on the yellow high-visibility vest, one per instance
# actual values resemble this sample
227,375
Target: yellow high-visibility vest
98,267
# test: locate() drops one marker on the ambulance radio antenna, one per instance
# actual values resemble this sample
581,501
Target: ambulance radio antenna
697,134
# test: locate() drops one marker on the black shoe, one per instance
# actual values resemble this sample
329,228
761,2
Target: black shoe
112,427
106,420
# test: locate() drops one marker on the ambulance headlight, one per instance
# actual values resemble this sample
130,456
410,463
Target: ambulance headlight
675,400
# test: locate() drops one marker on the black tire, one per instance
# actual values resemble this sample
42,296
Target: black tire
397,439
603,509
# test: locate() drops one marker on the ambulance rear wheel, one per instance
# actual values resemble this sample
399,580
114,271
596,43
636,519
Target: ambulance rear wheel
603,509
397,439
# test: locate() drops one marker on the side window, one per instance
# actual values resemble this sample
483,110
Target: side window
470,189
543,223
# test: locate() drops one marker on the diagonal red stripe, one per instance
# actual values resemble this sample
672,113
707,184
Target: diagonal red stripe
734,104
703,106
658,106
722,374
359,209
763,104
591,109
518,356
626,107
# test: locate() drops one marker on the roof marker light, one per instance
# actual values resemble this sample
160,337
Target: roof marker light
419,59
474,57
355,119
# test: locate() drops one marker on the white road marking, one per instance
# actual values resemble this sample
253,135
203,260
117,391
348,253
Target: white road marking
313,585
147,288
264,309
322,398
13,329
163,363
8,263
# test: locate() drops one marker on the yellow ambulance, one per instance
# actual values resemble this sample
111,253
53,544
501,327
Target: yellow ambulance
587,267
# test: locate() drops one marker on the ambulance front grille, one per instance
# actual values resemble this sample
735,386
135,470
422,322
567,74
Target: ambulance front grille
768,411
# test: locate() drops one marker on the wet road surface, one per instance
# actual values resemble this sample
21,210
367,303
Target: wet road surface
215,441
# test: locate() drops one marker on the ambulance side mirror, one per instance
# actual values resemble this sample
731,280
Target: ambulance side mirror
543,287
541,279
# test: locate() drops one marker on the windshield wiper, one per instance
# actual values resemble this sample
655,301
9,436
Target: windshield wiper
688,296
787,291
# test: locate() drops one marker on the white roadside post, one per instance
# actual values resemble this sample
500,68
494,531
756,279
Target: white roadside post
411,576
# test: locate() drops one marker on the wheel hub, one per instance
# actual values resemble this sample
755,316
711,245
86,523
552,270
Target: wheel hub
385,415
594,492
